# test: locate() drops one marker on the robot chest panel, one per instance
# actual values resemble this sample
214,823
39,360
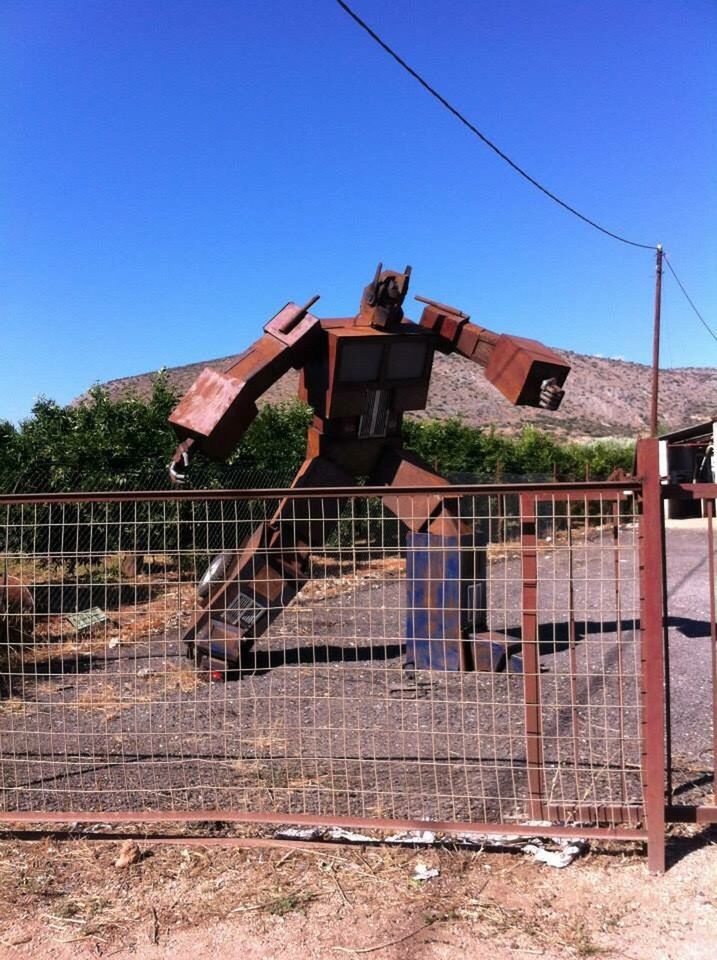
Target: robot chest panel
373,374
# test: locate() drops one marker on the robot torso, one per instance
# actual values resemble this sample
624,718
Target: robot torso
359,380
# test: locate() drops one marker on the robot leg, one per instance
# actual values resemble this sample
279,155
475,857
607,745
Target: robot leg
446,592
445,568
241,594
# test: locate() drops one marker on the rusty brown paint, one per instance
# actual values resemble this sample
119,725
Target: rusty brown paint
652,650
531,658
713,629
517,367
691,814
311,820
609,813
572,643
690,491
619,820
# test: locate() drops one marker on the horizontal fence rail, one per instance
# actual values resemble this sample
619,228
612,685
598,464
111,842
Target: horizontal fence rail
304,656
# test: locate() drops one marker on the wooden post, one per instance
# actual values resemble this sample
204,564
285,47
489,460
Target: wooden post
656,343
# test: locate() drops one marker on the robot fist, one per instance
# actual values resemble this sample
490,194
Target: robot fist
180,462
550,394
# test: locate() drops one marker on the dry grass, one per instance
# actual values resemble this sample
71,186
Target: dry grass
332,578
105,696
79,894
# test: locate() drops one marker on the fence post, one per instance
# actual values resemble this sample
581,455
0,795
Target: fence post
531,656
652,559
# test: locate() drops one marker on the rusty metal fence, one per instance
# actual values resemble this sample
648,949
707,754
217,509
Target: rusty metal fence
690,639
327,719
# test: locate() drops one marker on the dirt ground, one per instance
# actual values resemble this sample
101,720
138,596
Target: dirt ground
70,900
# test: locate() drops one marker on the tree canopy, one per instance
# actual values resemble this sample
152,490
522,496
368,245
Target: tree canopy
105,443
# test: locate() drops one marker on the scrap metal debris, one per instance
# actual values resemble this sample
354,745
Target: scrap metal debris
558,853
568,850
83,619
421,872
413,686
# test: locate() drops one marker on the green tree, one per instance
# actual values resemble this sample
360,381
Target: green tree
452,447
96,444
276,441
107,443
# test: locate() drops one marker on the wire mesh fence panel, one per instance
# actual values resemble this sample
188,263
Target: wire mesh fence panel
691,649
54,476
305,654
586,654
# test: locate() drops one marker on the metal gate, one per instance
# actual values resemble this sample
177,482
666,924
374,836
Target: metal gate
103,719
690,640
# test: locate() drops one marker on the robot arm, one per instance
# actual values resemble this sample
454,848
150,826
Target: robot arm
525,371
215,412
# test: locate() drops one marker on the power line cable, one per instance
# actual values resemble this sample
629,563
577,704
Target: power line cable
481,136
702,320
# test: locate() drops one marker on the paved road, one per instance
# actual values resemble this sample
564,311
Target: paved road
689,646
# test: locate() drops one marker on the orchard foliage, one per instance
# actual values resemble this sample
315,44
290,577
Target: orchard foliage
105,443
98,444
453,447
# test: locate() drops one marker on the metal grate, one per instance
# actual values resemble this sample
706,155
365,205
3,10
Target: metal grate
244,611
691,651
324,719
374,420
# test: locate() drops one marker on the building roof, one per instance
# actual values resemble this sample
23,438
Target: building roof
694,432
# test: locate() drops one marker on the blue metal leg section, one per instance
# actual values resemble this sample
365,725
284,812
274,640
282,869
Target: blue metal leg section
434,634
446,616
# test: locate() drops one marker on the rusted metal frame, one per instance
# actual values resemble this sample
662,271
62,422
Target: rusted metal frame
321,847
589,490
531,658
656,343
691,814
316,820
572,643
592,492
652,651
666,655
612,813
317,846
392,824
713,631
615,509
690,491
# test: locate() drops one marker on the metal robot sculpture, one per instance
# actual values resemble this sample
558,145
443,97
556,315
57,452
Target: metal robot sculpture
359,374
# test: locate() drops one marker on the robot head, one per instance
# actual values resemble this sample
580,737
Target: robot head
382,299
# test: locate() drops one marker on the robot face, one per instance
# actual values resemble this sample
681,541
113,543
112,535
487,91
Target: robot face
382,299
371,359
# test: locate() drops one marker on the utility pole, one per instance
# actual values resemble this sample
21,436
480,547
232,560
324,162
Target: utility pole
656,344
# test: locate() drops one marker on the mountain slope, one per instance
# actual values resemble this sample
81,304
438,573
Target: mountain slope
604,397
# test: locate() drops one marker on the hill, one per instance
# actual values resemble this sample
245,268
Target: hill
605,397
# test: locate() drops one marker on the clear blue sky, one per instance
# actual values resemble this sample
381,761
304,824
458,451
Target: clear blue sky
175,170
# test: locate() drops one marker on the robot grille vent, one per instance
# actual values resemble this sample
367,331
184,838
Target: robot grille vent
374,419
244,611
